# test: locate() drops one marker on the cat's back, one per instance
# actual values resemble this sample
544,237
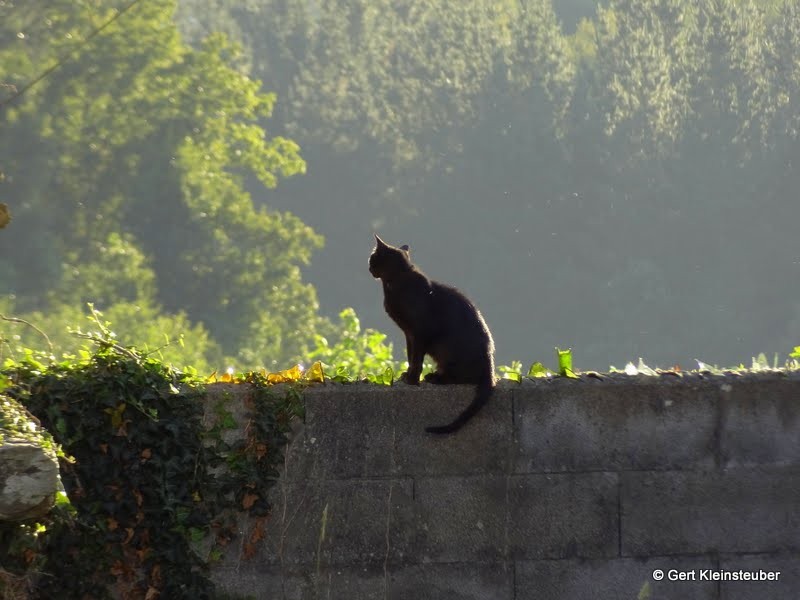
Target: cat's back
457,309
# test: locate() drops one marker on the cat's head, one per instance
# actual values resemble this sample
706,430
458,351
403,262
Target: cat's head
386,261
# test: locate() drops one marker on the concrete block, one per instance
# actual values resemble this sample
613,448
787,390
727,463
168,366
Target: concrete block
786,587
482,447
454,581
612,579
760,423
379,431
420,582
739,510
349,432
563,516
331,523
592,426
489,519
306,583
461,519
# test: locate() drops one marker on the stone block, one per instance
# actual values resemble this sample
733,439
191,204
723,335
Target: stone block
332,523
785,587
738,510
612,579
563,515
379,431
760,423
487,519
461,519
482,447
420,582
591,426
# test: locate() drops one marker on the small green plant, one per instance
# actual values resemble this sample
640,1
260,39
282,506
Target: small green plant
794,358
512,372
359,355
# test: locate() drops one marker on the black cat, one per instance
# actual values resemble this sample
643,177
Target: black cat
437,320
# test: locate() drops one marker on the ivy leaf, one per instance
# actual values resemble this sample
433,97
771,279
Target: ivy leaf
384,378
538,370
116,415
248,500
565,363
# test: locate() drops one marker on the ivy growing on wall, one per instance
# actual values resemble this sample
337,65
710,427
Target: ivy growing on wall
153,488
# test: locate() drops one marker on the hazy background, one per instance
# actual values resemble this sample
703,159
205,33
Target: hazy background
620,179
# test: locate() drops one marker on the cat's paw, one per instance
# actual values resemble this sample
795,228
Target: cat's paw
433,378
406,378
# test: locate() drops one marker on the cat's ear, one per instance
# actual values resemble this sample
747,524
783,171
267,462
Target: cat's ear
404,247
380,242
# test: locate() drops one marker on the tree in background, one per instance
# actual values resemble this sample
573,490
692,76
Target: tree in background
126,169
625,174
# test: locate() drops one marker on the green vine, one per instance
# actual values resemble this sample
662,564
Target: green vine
153,487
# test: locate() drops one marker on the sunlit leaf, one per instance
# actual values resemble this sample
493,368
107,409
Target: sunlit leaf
759,363
386,377
293,374
538,370
565,362
644,369
315,373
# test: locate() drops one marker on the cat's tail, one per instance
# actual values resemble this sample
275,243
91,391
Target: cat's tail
482,394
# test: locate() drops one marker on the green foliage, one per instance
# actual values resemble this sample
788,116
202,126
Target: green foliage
648,154
565,363
512,371
172,339
357,354
655,121
794,359
147,505
147,145
537,369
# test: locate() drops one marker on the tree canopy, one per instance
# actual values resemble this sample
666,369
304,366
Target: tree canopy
626,188
126,171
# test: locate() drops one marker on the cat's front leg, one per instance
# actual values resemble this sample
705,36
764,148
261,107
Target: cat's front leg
415,356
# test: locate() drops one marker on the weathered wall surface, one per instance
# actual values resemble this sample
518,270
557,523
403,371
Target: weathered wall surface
562,489
29,473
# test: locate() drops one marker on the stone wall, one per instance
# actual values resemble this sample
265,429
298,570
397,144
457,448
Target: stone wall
559,489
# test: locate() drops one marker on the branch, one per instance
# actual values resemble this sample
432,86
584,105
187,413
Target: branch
31,325
106,342
63,59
